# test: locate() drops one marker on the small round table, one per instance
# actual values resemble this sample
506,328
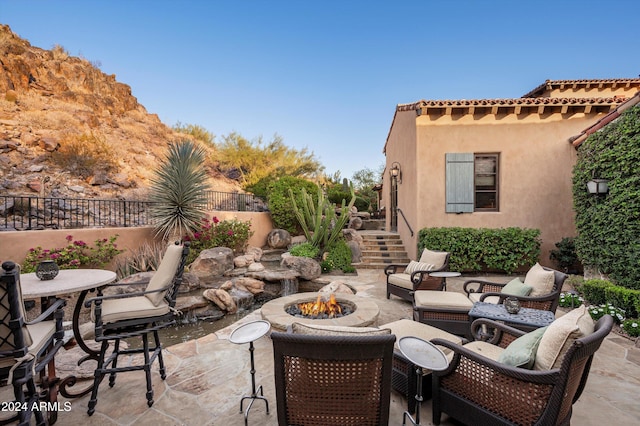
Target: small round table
444,275
424,355
248,333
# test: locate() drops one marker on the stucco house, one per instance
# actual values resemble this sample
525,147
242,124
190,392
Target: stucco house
494,163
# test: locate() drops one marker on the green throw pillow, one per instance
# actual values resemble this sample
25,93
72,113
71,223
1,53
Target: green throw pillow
522,351
516,287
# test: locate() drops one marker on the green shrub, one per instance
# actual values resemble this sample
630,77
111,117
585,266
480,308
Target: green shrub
472,250
570,300
594,291
233,234
339,256
631,327
279,201
607,228
361,204
75,254
305,250
564,255
598,312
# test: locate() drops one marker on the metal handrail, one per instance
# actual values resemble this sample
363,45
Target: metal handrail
405,220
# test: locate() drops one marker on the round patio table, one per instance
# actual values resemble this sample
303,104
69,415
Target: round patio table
68,281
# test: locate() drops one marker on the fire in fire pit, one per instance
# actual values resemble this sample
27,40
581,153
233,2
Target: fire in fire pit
320,309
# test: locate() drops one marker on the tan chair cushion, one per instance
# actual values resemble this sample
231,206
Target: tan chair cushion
165,273
406,327
560,335
40,333
130,308
540,280
442,300
485,349
435,258
414,266
330,330
401,280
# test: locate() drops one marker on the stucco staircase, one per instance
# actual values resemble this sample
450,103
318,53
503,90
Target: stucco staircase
380,249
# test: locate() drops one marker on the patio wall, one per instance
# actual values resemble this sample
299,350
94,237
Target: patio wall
14,245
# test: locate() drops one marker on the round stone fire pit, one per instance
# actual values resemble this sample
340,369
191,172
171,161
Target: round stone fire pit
365,314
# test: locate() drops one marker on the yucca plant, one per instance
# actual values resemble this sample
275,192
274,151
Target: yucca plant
178,191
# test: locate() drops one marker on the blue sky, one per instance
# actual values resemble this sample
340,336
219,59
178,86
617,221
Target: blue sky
327,75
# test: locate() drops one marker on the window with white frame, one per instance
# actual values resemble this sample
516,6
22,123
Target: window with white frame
472,182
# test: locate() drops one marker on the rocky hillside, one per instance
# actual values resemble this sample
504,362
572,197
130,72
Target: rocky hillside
68,129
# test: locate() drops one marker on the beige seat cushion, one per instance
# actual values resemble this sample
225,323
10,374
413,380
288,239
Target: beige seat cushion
40,334
130,308
165,273
407,327
560,335
540,280
401,280
329,330
435,258
442,300
485,349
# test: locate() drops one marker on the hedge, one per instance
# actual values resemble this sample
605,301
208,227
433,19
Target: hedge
473,250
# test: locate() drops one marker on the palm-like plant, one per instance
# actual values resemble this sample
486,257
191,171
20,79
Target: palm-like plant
178,191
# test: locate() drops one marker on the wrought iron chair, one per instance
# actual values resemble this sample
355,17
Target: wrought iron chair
332,380
27,350
415,275
476,389
139,314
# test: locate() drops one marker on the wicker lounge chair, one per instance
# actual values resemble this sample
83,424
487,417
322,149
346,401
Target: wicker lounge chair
332,380
415,275
476,389
133,315
487,291
26,350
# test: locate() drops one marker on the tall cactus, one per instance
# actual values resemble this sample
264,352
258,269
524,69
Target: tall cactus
318,220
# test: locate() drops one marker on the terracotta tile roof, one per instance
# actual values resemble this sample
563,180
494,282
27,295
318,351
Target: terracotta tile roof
465,103
549,84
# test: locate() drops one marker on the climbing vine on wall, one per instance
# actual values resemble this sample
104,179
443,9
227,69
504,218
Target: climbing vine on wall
609,225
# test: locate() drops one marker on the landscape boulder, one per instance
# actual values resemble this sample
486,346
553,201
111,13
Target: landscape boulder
212,263
308,269
279,238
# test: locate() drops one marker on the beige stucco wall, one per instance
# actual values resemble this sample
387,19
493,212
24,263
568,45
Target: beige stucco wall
403,133
536,164
14,245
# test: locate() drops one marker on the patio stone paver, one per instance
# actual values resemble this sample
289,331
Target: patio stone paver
207,377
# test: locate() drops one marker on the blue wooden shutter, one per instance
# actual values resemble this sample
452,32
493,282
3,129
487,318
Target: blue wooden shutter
459,182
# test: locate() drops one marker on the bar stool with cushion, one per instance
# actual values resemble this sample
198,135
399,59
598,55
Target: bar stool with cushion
446,310
403,378
137,315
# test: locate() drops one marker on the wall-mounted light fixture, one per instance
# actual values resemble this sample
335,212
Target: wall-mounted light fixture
396,171
598,186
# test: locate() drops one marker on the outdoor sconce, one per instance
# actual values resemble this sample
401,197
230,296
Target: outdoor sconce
598,186
395,171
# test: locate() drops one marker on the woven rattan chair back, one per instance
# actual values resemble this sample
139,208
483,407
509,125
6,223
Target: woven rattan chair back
332,380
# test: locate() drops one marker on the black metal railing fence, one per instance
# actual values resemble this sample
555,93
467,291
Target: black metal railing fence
29,212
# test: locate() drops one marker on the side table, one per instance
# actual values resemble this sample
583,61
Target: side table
526,318
424,355
248,333
444,275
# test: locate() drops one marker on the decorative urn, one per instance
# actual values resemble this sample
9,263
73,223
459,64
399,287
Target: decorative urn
47,270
